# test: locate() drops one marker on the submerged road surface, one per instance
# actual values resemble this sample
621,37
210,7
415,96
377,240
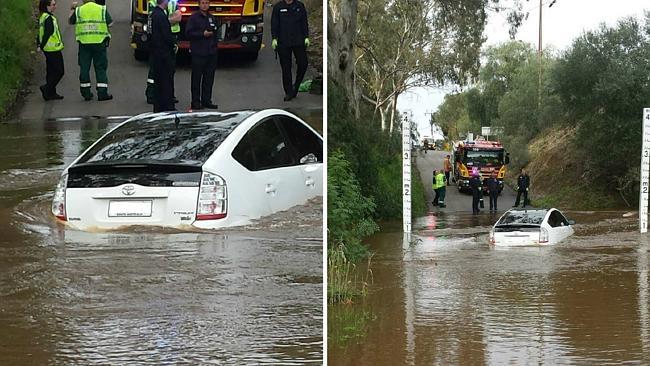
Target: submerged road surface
238,84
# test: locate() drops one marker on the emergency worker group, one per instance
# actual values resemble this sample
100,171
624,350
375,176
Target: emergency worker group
477,186
91,20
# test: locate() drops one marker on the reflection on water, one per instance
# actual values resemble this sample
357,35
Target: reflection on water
452,299
148,295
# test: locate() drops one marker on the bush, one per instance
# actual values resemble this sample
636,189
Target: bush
16,42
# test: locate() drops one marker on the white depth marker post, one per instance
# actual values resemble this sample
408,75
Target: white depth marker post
645,173
406,175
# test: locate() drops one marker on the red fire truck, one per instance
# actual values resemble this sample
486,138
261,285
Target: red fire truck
242,25
479,156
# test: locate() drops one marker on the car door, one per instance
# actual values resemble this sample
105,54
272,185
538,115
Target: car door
276,171
559,229
307,146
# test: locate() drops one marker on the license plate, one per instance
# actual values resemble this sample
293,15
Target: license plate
130,208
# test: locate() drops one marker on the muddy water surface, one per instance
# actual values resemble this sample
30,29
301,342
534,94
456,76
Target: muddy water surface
146,296
444,297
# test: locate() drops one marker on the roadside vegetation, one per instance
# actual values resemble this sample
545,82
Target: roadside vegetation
579,135
16,44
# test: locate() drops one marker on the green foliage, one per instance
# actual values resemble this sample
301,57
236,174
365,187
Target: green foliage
603,82
347,324
343,282
374,157
16,42
349,212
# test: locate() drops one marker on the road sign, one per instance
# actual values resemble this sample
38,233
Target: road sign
645,173
406,175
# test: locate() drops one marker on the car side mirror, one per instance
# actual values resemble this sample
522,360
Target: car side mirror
572,222
309,159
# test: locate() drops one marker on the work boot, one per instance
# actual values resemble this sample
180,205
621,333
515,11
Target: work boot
44,92
105,97
88,97
287,98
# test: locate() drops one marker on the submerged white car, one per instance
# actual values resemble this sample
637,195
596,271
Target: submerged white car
523,227
206,170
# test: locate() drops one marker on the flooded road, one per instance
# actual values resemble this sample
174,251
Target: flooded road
248,295
445,297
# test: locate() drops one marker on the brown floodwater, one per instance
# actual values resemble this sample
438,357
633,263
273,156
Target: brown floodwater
249,295
445,297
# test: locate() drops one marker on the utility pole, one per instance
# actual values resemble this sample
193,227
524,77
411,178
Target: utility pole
539,60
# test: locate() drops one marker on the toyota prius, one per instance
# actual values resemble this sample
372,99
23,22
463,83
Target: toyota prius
206,170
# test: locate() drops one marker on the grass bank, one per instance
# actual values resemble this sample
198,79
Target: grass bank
560,176
17,32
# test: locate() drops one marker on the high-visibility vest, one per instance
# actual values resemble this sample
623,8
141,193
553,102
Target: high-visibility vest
54,43
90,26
440,180
171,9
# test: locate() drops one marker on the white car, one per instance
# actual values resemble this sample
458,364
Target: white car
205,170
523,227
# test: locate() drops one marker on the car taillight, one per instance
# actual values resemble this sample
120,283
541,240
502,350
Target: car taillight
58,202
491,237
543,235
213,198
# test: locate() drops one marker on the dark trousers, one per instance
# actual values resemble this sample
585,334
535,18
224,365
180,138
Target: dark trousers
300,53
494,195
476,198
447,177
203,69
54,71
93,55
150,92
163,73
437,197
519,192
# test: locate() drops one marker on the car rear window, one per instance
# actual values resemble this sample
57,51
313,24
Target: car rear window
174,138
522,218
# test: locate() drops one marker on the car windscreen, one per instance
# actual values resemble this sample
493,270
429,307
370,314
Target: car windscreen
484,157
525,218
188,139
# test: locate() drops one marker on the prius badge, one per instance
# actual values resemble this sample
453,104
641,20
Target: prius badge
128,190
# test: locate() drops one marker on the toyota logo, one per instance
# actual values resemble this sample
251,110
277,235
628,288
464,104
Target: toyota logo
128,190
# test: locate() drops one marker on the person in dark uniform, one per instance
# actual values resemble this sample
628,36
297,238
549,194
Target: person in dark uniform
492,184
162,54
51,43
290,33
523,183
201,30
476,186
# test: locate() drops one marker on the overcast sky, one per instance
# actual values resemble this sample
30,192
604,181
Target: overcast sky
562,23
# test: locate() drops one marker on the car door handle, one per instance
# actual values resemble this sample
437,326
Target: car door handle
270,188
309,182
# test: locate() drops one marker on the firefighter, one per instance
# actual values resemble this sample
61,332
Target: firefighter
290,34
492,184
175,17
447,168
523,183
202,32
434,186
51,43
91,31
442,188
476,186
161,53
